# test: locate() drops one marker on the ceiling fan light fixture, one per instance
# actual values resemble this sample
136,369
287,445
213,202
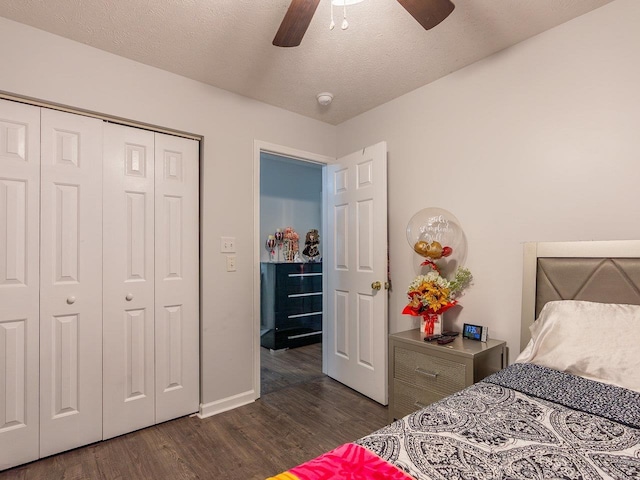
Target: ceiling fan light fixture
427,13
343,4
325,98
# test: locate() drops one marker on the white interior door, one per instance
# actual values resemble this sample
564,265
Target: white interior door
19,282
355,259
70,282
176,277
128,280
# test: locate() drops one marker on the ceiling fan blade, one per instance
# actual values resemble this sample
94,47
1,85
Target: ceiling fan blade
428,13
295,23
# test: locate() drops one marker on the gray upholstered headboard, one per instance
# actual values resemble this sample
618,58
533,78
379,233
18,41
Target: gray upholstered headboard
606,272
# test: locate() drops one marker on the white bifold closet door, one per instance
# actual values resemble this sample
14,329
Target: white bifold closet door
70,281
151,310
177,307
128,296
99,280
50,282
19,282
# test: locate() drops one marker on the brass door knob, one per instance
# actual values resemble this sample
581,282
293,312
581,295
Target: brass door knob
376,285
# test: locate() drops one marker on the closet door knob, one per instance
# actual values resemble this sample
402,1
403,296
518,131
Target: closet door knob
71,300
129,297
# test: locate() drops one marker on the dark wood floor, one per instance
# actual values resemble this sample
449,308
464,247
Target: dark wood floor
300,415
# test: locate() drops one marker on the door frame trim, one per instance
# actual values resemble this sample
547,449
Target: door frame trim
304,156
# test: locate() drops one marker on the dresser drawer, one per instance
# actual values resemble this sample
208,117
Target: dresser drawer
409,398
298,278
312,321
299,303
300,283
427,371
291,304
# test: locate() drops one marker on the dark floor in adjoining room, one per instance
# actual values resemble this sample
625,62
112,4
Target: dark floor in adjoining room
286,368
301,414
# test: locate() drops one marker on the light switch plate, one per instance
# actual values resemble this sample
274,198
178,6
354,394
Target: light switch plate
227,244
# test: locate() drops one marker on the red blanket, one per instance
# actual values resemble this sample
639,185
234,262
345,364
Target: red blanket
347,462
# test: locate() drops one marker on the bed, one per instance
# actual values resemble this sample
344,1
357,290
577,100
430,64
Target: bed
568,407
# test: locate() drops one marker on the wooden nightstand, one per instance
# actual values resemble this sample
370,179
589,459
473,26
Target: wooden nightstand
421,373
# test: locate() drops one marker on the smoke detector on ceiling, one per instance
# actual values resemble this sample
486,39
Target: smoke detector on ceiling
325,98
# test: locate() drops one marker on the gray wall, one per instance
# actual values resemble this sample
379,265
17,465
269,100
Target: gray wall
48,67
290,196
539,142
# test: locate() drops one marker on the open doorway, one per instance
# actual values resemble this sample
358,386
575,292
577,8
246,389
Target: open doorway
291,305
290,278
354,226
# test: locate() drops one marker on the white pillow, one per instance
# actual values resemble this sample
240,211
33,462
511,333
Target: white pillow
598,341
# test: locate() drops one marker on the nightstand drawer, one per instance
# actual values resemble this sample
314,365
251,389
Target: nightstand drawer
421,373
409,398
428,371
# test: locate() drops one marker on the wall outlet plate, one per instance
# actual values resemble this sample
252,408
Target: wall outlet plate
231,263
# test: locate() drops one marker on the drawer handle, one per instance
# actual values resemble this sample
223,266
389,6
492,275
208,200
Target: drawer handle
426,373
420,405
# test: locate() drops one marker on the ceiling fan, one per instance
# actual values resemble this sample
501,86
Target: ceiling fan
428,13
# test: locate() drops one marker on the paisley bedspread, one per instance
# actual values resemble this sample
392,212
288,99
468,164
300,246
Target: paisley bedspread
526,422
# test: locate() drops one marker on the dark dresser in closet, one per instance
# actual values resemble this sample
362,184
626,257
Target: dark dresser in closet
291,304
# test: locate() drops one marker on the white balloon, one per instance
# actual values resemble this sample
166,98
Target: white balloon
435,224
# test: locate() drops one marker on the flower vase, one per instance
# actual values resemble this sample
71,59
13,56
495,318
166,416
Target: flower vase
431,324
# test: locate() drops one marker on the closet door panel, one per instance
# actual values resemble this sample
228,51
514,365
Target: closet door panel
70,282
128,274
177,277
19,282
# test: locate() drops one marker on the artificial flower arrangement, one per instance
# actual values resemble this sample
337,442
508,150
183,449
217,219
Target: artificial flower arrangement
435,234
290,238
433,294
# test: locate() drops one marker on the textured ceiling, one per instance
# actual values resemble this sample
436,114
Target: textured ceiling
383,54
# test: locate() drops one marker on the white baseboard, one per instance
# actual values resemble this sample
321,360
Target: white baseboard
229,403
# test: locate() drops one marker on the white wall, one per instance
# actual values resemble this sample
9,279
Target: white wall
540,142
290,196
44,66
